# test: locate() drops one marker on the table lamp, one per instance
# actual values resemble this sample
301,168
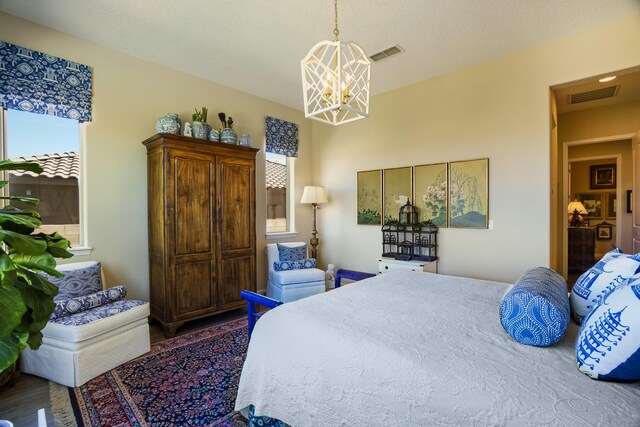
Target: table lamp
314,195
576,208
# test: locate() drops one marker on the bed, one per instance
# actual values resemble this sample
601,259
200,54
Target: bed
413,348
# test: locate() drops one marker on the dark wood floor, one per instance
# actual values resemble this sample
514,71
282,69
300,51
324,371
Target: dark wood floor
20,401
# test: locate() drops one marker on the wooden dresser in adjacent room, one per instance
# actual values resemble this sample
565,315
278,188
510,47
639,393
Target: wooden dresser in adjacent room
581,249
202,240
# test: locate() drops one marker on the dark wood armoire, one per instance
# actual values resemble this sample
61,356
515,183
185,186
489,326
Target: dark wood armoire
202,238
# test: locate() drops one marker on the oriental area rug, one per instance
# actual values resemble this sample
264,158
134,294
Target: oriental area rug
187,380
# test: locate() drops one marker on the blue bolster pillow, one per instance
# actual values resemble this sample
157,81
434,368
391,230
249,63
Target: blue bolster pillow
75,305
536,310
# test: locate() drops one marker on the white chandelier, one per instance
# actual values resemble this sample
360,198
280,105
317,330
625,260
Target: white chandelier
335,81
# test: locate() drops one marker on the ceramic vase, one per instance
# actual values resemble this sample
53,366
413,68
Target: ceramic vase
199,130
169,123
214,135
187,129
245,140
228,136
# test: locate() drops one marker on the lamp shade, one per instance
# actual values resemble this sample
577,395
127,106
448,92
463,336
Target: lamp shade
577,205
313,194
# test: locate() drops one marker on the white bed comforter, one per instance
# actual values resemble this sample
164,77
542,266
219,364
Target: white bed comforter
418,349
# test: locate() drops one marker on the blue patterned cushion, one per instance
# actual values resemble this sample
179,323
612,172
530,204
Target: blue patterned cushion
97,313
606,275
77,283
294,265
536,310
87,302
287,253
609,343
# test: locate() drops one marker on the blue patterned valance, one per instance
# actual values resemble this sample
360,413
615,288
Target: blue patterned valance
282,137
39,83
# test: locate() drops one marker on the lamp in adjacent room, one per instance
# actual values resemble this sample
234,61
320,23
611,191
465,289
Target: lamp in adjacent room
575,209
335,80
314,195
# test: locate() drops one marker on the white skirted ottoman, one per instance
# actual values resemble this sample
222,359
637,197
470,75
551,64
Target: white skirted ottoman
82,346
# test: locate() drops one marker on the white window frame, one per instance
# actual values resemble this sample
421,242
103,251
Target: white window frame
291,204
83,248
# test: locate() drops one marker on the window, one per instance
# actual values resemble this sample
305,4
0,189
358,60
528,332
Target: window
55,144
279,186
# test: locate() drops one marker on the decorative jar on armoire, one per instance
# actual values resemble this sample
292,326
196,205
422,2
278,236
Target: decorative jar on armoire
202,231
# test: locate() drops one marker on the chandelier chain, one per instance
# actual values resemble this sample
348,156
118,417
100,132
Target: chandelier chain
335,30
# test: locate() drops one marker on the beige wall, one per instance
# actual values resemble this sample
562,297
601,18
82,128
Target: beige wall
600,122
499,110
129,96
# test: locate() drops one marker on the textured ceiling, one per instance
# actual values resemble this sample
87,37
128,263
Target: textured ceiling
256,45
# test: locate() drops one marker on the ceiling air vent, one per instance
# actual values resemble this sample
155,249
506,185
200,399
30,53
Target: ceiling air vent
393,50
593,95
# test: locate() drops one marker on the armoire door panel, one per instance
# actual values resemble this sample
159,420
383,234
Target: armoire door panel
155,202
236,204
157,292
194,289
236,274
193,205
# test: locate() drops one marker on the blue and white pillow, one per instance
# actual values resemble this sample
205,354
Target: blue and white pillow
294,265
98,313
87,302
78,282
536,310
604,277
609,343
289,253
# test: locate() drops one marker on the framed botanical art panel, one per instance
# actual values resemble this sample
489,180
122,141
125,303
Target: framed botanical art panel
603,176
430,193
611,206
370,197
396,185
592,203
469,193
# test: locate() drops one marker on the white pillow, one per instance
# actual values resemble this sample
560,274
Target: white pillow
609,343
605,276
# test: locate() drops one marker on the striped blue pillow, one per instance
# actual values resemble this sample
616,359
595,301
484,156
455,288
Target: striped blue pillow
536,310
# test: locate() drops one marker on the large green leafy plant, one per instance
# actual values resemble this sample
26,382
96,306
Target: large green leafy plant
26,298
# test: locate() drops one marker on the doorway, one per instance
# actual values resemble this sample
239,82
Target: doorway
593,133
601,227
